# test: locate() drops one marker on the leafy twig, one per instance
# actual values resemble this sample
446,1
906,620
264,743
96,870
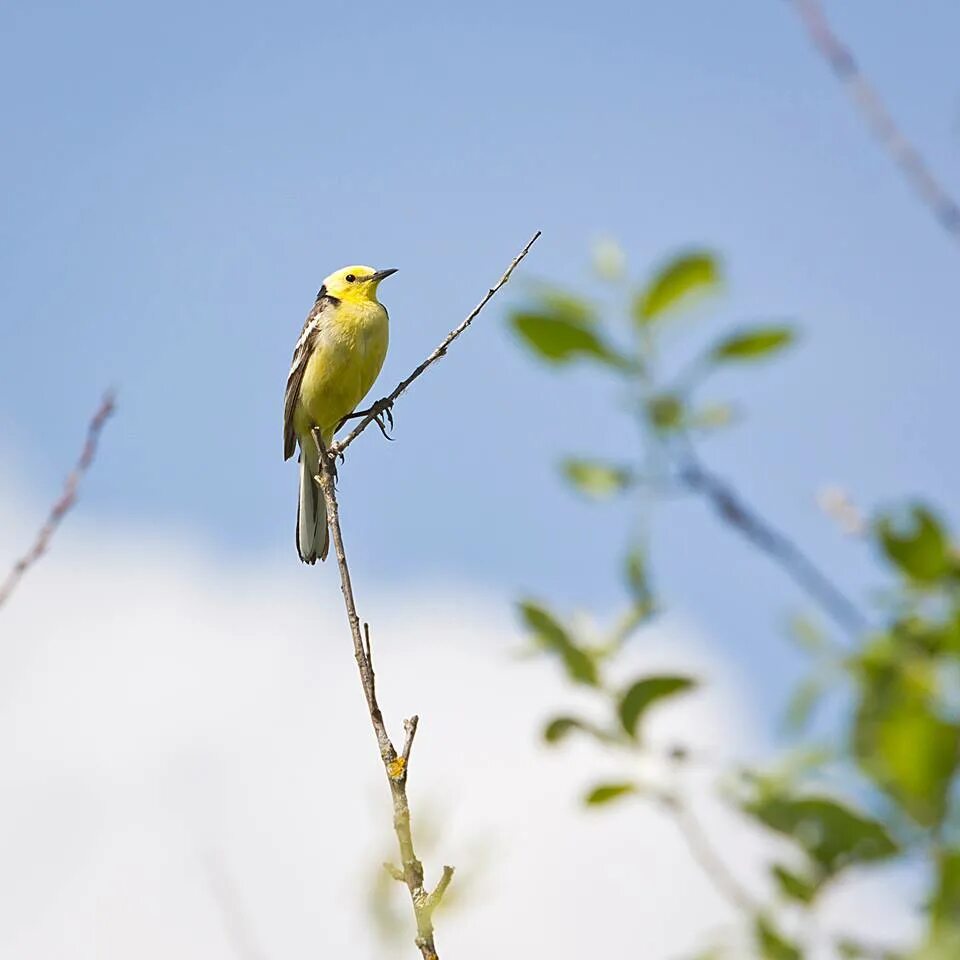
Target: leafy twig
873,110
341,445
64,502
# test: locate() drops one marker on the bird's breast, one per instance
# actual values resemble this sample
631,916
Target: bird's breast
345,362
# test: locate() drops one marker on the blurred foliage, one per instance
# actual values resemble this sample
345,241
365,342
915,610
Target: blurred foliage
895,685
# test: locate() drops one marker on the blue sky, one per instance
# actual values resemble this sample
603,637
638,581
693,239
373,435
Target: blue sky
180,177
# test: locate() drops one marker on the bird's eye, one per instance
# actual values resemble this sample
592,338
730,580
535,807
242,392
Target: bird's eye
349,278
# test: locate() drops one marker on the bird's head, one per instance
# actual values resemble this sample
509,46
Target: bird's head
355,284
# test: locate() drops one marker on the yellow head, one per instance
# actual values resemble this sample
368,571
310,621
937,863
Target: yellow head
354,284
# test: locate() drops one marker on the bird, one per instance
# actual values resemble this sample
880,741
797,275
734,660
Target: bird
336,360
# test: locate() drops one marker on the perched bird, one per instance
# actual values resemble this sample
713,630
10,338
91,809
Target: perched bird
335,362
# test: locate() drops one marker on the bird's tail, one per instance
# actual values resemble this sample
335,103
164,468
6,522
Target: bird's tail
312,538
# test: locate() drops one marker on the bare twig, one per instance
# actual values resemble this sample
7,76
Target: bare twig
411,871
878,118
732,508
707,858
64,502
396,766
384,405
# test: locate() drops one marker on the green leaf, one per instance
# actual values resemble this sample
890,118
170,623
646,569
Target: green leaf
714,416
609,260
642,694
552,636
689,275
945,904
832,834
900,740
918,546
772,944
753,343
607,792
544,626
560,340
808,635
794,886
665,412
599,481
559,728
636,574
805,699
562,305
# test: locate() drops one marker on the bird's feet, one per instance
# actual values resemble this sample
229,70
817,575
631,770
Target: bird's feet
381,413
331,454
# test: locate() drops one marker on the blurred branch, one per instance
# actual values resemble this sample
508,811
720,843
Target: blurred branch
734,510
66,500
706,857
395,765
382,406
877,117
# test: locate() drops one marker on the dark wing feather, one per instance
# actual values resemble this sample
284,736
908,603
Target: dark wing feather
301,356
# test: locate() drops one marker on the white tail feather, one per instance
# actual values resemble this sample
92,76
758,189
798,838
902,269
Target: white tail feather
312,538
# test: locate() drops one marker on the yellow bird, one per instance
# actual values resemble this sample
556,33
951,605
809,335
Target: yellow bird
335,362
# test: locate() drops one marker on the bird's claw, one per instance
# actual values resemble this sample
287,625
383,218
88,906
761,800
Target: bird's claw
380,412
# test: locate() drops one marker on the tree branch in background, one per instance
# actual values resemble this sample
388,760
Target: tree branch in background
396,765
387,402
65,501
733,509
877,117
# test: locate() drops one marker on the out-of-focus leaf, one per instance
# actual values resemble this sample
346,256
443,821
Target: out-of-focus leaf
559,728
609,260
714,416
900,740
665,412
607,792
560,340
916,545
563,305
753,343
689,275
597,480
793,885
803,702
772,944
945,902
833,835
638,583
544,626
807,635
551,635
643,693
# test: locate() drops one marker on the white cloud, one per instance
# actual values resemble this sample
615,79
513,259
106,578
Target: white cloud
160,705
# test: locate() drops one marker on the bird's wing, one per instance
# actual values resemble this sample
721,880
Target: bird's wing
301,356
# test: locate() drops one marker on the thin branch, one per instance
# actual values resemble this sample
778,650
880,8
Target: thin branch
707,858
384,405
733,509
395,765
64,502
874,112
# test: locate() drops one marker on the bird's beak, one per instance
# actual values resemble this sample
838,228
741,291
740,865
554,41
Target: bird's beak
380,275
